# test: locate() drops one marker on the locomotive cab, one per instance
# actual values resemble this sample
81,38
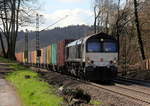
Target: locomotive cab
93,57
101,57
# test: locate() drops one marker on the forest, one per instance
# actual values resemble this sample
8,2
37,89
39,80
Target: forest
128,21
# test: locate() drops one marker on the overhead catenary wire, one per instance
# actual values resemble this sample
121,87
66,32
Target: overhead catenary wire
55,22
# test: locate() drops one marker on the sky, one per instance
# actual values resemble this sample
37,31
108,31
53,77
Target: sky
70,12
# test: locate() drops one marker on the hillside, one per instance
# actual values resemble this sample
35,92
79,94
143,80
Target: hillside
52,36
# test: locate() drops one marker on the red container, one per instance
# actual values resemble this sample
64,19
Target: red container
61,51
17,57
20,57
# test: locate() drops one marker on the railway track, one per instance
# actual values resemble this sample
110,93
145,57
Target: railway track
133,88
137,94
132,81
131,93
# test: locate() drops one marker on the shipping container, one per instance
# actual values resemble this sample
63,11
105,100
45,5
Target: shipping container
41,57
17,58
23,59
49,54
35,55
29,57
54,54
20,57
61,51
45,55
33,58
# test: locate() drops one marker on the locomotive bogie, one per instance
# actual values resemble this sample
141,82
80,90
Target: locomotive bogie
100,73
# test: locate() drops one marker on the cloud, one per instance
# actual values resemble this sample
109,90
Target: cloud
74,17
58,18
71,0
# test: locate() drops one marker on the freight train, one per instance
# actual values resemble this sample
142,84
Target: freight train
92,57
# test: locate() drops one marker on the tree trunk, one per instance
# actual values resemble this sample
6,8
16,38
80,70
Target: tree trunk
118,29
95,20
2,45
106,23
139,31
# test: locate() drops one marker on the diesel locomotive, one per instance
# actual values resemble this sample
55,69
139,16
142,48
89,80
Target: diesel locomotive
91,57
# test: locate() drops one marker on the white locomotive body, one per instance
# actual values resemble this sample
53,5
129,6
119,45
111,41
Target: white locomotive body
93,57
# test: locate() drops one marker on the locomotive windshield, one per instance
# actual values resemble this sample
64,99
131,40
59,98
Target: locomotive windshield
101,46
109,47
94,47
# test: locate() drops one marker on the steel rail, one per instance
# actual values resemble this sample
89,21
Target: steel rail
114,90
135,90
133,81
121,93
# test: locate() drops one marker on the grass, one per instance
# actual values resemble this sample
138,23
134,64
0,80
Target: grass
32,90
6,60
95,103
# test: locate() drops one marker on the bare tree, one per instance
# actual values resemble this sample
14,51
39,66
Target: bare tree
2,45
11,17
103,10
138,30
129,23
96,15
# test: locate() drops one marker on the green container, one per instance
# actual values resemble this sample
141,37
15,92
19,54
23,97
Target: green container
54,54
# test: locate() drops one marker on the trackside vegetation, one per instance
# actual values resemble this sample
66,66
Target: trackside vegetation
34,92
95,103
31,88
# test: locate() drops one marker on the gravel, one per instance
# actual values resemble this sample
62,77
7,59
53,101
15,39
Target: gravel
106,97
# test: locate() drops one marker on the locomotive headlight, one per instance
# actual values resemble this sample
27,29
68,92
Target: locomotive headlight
87,59
102,40
113,62
89,62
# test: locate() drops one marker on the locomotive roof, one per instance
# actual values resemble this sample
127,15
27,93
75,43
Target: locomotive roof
84,39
